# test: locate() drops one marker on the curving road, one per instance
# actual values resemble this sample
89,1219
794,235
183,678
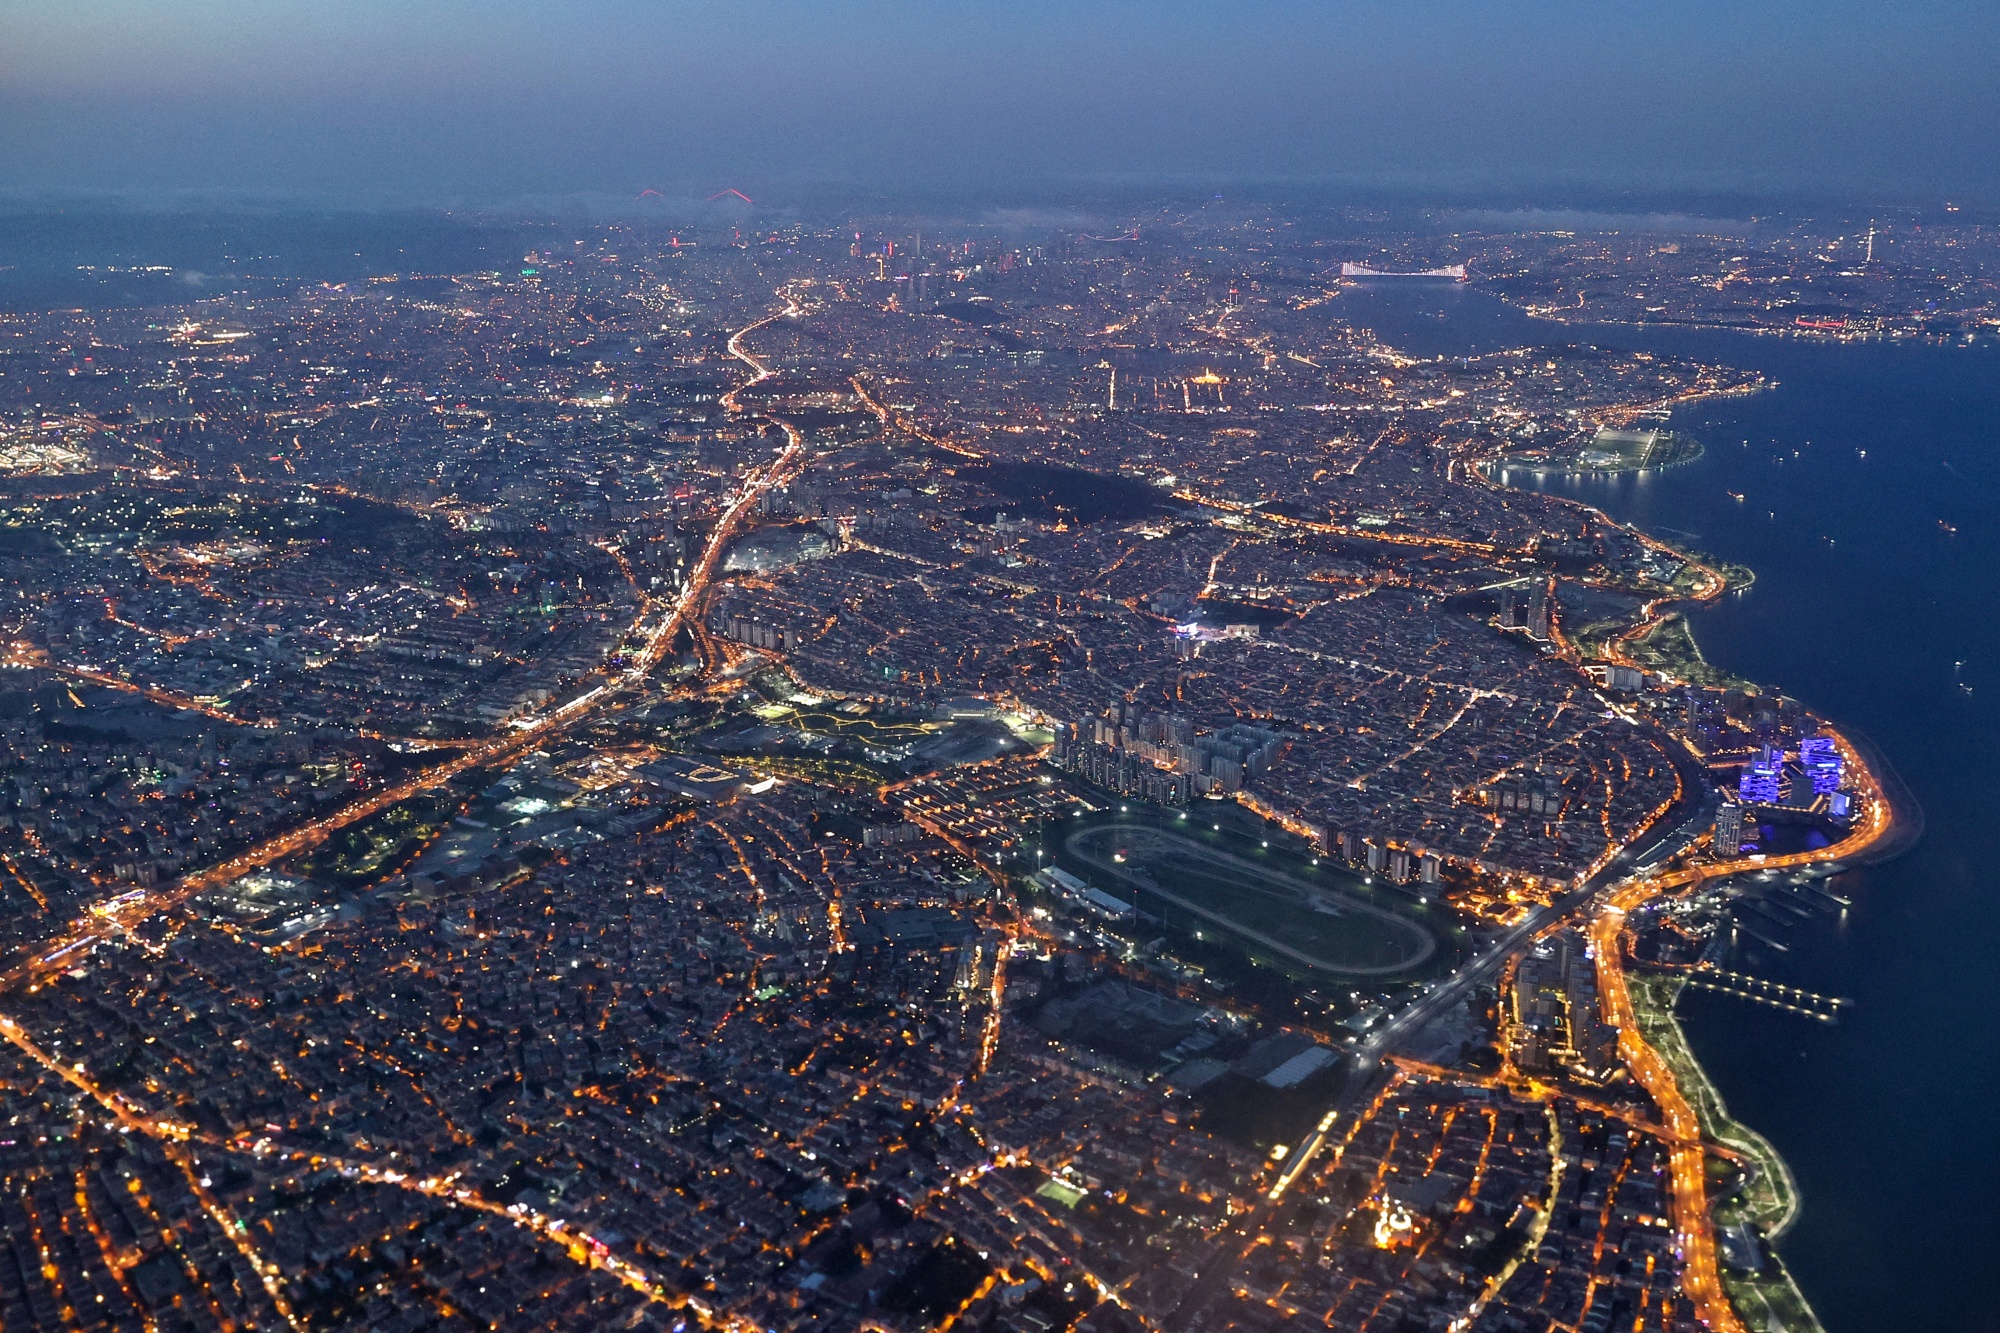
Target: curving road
1688,1152
1695,1228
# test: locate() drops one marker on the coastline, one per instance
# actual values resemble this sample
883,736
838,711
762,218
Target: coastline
1836,405
1908,826
1662,1072
1668,646
1649,1036
1558,315
1508,463
1764,1201
1764,1198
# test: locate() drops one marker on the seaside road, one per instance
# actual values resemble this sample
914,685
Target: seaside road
1446,994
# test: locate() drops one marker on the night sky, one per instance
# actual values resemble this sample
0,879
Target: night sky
422,100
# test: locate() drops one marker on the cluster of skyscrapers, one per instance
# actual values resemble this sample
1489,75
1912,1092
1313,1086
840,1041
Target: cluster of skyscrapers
1160,757
1772,777
1806,780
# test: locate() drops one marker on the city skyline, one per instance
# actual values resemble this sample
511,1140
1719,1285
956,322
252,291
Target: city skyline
1005,666
919,668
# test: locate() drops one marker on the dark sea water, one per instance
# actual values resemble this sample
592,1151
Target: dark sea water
98,257
1869,611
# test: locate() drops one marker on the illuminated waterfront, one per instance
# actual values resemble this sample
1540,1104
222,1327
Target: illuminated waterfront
800,635
1870,606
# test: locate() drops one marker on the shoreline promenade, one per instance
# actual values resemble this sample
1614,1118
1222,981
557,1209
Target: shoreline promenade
1692,1221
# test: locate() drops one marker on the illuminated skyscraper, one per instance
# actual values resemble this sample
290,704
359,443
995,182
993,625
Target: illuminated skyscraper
1540,615
1728,840
1821,762
1763,777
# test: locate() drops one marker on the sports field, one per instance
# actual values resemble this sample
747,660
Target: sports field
1280,914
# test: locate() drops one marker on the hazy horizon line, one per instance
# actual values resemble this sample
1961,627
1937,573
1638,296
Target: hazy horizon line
1657,205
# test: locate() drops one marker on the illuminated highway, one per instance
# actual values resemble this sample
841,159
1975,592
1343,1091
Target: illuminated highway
777,1058
1681,1128
166,698
1688,1162
522,735
525,734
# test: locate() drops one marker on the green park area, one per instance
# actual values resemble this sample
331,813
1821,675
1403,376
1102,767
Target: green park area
1669,647
379,844
861,727
1753,1188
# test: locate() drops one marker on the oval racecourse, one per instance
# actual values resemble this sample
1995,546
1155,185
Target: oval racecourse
1320,927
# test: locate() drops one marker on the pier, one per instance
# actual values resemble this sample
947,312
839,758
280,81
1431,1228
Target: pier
1792,999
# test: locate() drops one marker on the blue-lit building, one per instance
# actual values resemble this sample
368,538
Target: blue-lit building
1821,762
1763,777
